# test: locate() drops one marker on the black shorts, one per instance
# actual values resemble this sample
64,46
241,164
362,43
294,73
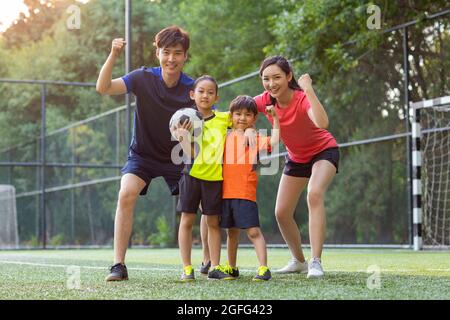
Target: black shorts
303,170
147,169
239,213
193,191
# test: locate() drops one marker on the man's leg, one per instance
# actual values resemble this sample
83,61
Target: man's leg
130,187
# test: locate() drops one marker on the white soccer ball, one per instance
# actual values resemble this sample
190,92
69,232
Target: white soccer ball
187,113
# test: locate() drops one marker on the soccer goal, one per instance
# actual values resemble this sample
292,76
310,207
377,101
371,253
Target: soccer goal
431,173
9,236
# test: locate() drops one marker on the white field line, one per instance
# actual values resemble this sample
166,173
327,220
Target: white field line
49,265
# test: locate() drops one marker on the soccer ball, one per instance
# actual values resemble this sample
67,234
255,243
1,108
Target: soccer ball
187,113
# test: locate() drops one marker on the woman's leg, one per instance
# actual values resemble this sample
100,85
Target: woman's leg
323,173
289,192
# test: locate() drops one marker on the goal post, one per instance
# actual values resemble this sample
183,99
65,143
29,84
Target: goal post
9,235
430,156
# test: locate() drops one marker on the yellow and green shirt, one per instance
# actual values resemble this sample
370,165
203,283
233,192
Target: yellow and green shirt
207,165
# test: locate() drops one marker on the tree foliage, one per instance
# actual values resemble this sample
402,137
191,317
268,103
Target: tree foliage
357,72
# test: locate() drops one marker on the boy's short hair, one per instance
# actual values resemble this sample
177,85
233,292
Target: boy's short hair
243,102
172,36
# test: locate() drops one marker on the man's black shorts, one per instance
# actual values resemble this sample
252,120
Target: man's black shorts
239,213
303,170
193,191
147,170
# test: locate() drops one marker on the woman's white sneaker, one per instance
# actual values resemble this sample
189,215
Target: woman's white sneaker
294,266
315,269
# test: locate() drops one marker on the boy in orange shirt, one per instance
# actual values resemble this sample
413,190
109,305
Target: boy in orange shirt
240,180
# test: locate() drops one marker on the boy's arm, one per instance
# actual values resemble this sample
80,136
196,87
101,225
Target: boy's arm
186,145
275,136
182,133
104,83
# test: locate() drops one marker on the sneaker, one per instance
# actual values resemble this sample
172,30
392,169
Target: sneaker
315,269
219,273
294,266
188,274
118,272
232,271
204,268
263,274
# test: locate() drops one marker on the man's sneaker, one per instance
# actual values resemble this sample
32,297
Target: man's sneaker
263,274
232,271
315,269
118,272
188,274
205,268
219,273
294,266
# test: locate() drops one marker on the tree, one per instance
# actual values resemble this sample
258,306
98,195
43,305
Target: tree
359,75
42,47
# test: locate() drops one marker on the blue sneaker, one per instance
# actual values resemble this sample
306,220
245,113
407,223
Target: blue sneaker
263,274
232,271
219,273
118,272
204,268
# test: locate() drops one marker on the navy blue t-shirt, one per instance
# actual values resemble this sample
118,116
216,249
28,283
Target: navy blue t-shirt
155,105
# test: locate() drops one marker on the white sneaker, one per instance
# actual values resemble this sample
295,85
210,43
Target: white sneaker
315,269
294,266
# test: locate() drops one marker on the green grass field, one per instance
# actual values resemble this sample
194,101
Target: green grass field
154,274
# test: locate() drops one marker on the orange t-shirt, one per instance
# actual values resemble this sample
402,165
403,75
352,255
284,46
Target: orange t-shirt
240,179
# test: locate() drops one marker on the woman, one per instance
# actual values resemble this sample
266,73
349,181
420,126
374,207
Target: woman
312,160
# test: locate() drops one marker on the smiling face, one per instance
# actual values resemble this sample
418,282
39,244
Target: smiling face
171,59
204,95
243,119
276,81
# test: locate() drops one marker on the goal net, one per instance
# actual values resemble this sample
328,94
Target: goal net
9,236
435,172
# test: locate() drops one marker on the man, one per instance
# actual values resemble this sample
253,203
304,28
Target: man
159,91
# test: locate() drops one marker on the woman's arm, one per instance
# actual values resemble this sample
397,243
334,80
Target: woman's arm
316,113
275,136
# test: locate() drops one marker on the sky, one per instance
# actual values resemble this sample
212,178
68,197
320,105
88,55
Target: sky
9,11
